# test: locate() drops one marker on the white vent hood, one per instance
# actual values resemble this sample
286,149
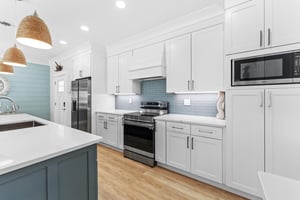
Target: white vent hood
148,62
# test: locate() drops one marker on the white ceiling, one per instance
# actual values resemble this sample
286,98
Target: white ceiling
107,23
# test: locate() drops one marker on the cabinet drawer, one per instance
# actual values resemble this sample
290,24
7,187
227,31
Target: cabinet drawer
112,117
179,127
100,117
207,131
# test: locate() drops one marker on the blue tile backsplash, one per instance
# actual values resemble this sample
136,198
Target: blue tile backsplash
155,90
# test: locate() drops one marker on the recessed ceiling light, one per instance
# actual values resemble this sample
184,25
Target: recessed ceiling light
120,4
84,28
63,42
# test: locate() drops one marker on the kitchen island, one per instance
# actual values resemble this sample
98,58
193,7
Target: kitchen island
48,161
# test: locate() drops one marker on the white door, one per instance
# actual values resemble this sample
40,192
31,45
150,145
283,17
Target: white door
206,158
178,59
207,59
178,150
244,30
120,132
244,139
281,22
160,141
61,103
112,74
112,131
124,63
101,126
283,132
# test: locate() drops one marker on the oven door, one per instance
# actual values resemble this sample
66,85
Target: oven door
139,137
273,69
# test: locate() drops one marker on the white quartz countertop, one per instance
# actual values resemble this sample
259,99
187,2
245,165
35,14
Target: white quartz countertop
192,119
115,112
24,147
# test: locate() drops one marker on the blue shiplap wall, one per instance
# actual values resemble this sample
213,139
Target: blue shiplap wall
30,88
155,90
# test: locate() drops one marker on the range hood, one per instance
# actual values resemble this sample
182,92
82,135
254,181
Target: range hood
148,62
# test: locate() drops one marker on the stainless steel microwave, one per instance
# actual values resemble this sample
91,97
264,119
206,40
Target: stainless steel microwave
266,70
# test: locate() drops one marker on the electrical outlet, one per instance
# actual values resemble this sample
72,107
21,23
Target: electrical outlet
130,101
187,102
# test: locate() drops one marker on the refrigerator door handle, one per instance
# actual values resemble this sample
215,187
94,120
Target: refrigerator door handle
74,105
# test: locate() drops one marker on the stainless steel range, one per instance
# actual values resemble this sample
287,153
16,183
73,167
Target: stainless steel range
139,131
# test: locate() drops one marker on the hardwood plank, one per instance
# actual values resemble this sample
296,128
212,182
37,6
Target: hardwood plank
124,179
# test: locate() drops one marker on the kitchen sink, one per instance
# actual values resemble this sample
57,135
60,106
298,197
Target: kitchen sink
20,125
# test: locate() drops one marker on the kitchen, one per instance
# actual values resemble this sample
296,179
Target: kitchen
204,92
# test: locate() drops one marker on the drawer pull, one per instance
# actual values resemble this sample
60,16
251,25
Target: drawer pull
111,118
177,128
188,142
202,131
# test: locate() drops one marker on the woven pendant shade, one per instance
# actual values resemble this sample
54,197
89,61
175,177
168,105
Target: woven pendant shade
6,69
33,32
14,57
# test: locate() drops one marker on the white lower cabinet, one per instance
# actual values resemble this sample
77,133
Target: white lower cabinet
160,141
110,127
206,158
195,149
244,139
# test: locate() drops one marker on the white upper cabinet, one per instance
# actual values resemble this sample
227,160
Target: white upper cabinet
195,61
112,66
281,22
178,57
257,24
244,27
118,81
207,59
283,132
82,66
245,139
148,62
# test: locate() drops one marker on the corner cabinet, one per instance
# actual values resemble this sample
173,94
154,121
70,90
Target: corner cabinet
118,81
110,127
195,149
82,65
198,59
257,24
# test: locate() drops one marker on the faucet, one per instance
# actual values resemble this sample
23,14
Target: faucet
14,106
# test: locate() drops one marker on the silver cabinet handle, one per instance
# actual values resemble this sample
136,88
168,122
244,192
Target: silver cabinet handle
269,36
203,131
189,85
116,89
193,84
261,99
104,125
188,142
261,38
192,143
177,128
270,99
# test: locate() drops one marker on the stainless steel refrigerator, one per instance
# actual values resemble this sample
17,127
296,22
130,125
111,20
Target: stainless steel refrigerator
81,104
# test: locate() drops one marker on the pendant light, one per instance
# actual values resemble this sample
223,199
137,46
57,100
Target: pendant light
14,57
33,32
6,69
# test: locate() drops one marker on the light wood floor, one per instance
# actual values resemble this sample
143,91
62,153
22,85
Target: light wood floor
124,179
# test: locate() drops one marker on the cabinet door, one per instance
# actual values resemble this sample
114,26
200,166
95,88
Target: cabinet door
160,141
76,67
178,57
112,74
281,17
206,158
120,132
245,139
101,126
283,132
125,84
207,59
112,132
244,29
178,150
85,65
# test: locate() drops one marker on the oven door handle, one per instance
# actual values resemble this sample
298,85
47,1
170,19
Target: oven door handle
140,124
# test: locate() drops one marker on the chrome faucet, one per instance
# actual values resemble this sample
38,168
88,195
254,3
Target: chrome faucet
14,106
